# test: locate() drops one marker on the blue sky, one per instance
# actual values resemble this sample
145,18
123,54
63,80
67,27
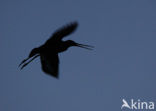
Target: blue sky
122,65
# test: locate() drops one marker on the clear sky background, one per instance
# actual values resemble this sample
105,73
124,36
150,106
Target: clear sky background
122,65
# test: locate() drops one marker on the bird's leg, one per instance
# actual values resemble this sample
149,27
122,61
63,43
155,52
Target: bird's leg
27,62
89,47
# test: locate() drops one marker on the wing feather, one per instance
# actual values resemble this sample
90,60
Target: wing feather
50,64
63,32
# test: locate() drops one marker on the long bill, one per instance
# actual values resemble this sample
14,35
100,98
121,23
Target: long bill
89,47
24,63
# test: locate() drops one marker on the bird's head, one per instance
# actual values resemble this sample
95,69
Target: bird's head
34,52
72,43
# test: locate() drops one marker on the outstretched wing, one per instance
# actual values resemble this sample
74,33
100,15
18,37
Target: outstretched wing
63,32
50,64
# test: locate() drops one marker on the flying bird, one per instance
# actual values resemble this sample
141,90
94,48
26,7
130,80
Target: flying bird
48,52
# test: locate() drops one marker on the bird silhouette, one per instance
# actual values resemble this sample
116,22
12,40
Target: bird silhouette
48,52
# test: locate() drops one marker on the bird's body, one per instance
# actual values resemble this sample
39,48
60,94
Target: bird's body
48,52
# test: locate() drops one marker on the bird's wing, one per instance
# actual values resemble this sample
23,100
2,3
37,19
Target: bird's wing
63,32
50,64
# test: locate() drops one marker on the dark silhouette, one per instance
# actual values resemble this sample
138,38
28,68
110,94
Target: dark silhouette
48,52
